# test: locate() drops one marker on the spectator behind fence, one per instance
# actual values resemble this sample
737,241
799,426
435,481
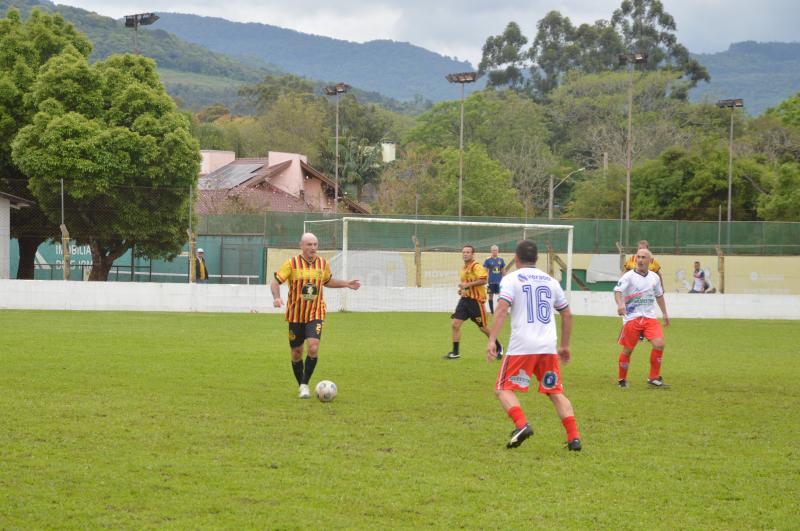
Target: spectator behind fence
699,284
200,270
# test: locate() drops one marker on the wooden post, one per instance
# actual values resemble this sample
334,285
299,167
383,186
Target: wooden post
192,245
65,265
721,268
417,261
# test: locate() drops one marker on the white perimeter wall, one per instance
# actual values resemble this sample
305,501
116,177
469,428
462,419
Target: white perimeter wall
5,230
140,296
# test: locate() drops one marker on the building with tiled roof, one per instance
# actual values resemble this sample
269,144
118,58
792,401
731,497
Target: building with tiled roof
282,182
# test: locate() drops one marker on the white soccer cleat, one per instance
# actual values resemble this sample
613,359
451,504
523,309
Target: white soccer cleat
304,392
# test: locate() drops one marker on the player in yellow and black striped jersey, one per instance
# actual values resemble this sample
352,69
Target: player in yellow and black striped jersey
306,274
472,290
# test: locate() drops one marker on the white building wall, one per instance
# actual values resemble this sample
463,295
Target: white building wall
5,237
214,160
141,296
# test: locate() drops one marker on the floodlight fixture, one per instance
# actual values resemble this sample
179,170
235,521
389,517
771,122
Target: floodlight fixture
735,103
134,21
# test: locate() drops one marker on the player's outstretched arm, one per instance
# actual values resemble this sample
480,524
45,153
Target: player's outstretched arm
620,305
566,334
336,283
275,288
500,313
663,305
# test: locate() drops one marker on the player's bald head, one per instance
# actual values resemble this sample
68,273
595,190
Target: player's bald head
308,237
644,251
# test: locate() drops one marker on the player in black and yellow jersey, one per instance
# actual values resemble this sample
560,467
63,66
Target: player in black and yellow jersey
306,273
472,290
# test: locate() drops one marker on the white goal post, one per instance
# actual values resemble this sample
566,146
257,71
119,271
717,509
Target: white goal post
388,254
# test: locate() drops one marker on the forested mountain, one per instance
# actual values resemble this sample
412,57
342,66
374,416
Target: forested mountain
763,74
396,69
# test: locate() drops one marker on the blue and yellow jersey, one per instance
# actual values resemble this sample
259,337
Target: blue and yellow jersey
495,267
470,273
306,279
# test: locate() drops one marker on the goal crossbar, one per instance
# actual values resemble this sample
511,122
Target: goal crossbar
533,226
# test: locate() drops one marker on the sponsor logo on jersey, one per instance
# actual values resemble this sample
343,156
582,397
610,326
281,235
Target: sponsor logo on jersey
310,292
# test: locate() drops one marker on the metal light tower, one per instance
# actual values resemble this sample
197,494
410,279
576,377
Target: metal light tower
732,105
134,21
335,90
461,78
635,58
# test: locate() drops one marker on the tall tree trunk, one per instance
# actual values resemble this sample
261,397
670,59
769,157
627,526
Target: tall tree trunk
102,260
27,256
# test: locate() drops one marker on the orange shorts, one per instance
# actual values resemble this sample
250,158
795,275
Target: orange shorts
648,326
516,373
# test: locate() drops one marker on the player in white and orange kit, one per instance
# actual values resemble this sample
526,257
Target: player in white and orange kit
532,296
636,294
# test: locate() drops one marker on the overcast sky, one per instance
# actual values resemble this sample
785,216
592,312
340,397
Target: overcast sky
459,28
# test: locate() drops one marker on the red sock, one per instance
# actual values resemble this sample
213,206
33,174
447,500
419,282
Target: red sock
655,363
624,362
572,428
517,416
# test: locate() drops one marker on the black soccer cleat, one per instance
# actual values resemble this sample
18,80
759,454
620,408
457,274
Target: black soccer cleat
641,336
452,356
519,435
499,355
574,445
657,383
623,384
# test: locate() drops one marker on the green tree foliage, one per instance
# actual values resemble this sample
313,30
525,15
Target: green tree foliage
788,111
504,59
125,154
267,92
597,195
782,202
560,48
693,183
362,164
24,48
296,124
487,187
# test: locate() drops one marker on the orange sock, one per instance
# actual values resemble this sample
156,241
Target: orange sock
518,416
655,363
624,362
572,428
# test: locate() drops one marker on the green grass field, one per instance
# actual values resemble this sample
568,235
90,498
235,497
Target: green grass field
142,420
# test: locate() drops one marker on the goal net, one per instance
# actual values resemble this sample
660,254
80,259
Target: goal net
414,264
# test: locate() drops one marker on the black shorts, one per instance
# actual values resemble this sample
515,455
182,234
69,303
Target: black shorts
470,309
299,332
494,289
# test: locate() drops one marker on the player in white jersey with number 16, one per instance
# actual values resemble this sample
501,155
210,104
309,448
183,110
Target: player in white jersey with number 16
532,296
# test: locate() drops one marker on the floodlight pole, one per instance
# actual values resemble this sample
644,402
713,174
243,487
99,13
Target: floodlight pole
336,90
461,78
633,59
732,104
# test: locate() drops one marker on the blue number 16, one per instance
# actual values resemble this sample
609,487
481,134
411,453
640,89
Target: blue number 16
543,310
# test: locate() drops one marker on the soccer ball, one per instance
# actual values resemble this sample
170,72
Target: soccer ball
326,391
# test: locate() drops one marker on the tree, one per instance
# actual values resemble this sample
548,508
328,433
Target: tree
24,48
646,27
597,195
560,48
504,59
788,111
125,154
487,187
362,166
782,202
267,93
295,124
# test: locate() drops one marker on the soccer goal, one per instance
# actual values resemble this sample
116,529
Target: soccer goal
414,264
